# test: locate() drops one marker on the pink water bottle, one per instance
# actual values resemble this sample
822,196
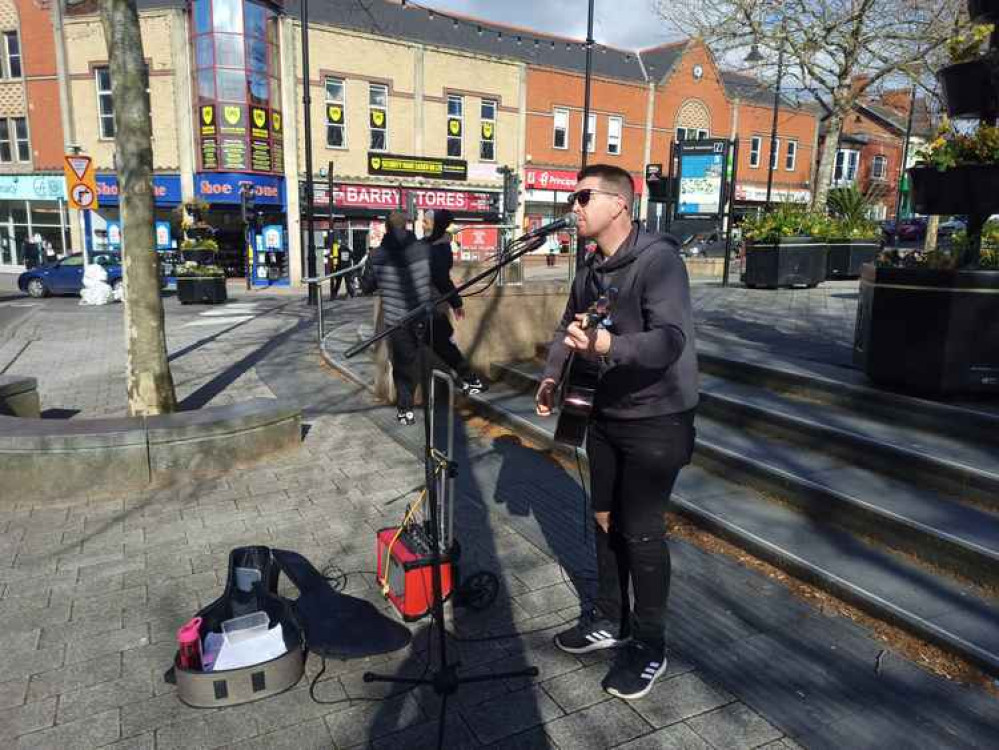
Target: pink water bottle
189,644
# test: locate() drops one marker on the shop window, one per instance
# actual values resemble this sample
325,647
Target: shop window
561,136
12,55
487,143
336,113
378,116
105,103
455,125
791,156
614,128
755,147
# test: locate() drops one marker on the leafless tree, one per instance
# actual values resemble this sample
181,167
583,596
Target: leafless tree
149,381
835,51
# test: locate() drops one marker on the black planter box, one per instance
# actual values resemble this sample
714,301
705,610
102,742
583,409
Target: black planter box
926,330
967,88
961,190
983,11
793,261
846,257
209,290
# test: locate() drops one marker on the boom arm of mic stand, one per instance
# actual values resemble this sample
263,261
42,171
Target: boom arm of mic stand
423,311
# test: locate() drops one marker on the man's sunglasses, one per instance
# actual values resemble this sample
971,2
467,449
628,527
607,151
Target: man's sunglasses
583,196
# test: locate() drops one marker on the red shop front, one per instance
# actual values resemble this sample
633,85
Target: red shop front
359,212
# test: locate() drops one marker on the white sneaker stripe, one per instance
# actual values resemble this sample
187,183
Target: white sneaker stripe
603,634
591,638
654,665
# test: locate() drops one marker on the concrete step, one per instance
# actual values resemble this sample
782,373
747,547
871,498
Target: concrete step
965,469
808,464
819,543
818,382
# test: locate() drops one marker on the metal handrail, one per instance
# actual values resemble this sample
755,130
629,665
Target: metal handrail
318,280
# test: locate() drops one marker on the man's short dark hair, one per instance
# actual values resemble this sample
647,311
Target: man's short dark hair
612,178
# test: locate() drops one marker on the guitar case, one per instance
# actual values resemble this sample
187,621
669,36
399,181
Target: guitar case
320,620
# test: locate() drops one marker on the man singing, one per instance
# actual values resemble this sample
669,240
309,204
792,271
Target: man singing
642,430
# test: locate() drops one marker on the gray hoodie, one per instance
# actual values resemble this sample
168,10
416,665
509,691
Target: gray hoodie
651,368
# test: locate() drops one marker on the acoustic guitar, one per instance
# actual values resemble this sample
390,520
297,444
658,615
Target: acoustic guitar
577,386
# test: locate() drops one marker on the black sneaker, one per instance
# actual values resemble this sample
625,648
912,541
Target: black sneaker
473,385
635,671
405,417
589,634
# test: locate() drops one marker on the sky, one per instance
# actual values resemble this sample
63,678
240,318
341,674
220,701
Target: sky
630,24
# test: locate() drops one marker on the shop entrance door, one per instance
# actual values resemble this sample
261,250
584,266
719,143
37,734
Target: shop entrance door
358,244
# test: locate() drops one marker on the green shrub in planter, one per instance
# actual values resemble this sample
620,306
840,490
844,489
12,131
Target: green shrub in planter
782,248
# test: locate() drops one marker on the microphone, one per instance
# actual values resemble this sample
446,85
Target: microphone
566,222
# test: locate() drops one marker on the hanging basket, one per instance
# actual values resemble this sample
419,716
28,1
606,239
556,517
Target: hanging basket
961,190
984,11
968,88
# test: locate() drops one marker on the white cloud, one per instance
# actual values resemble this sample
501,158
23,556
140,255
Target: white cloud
620,23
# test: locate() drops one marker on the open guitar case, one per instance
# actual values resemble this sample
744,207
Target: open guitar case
320,620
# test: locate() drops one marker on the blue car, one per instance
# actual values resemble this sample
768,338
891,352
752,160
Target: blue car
65,276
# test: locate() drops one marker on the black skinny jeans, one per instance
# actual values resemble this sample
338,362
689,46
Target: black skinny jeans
633,466
404,346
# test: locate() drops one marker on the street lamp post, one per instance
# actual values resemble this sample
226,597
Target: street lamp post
754,56
905,161
580,243
310,230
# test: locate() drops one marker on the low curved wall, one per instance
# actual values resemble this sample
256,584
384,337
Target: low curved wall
56,458
19,397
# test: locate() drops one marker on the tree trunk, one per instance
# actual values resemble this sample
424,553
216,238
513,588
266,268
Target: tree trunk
827,162
149,382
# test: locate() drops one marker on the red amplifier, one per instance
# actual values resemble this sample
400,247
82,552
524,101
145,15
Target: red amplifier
407,570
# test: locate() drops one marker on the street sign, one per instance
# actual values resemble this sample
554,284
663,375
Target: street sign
81,182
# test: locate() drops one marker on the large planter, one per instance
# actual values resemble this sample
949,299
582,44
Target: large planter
968,88
790,261
845,258
927,330
961,190
984,11
208,290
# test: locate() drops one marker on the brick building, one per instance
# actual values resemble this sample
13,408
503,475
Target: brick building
386,81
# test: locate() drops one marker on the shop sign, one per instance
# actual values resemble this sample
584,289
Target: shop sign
224,188
561,180
274,237
779,195
387,198
417,166
41,187
478,238
166,189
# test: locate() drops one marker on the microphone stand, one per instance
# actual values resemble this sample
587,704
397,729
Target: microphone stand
444,680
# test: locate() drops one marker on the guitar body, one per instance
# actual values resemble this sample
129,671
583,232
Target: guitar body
578,390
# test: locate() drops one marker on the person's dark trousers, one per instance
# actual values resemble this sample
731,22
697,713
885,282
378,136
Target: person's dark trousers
404,347
633,466
445,348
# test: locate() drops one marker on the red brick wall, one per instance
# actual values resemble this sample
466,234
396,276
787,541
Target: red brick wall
547,89
881,141
42,88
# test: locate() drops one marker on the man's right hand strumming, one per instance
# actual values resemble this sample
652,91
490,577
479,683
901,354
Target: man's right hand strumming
544,400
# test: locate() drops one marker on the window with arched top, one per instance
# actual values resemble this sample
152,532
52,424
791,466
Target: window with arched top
693,120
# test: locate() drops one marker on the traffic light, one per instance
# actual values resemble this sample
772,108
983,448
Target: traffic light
511,192
248,205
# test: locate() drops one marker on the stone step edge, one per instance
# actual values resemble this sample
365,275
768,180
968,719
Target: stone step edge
868,601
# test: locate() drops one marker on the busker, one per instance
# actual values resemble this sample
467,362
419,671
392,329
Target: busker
435,226
642,429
